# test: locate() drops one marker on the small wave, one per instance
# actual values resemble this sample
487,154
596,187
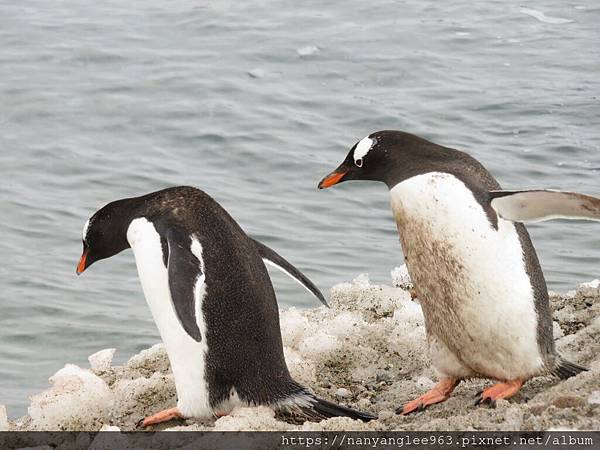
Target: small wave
543,17
309,50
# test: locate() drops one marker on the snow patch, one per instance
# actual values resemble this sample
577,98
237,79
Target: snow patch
3,418
77,400
589,289
101,361
401,278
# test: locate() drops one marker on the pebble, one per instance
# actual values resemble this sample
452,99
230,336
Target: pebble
342,393
383,376
594,399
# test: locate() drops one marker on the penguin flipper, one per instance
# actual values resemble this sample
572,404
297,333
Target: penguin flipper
186,278
540,205
269,256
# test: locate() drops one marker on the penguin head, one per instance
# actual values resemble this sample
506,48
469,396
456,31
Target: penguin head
382,156
104,234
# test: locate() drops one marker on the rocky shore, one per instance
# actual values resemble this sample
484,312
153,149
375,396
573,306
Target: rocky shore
367,351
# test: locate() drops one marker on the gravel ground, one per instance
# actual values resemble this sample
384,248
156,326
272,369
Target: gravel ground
368,352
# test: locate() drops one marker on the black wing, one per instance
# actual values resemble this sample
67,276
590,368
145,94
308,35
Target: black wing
185,271
271,257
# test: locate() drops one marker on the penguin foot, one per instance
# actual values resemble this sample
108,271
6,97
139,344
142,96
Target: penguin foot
498,391
163,416
438,394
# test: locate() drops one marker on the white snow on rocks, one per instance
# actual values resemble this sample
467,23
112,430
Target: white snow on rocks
367,352
77,400
590,289
401,278
3,418
101,361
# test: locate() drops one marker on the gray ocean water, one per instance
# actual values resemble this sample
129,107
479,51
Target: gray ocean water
254,102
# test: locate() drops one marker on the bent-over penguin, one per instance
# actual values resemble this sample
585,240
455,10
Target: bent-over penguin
474,269
212,299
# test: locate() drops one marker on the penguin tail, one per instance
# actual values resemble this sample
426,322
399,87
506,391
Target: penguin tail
327,409
565,369
310,407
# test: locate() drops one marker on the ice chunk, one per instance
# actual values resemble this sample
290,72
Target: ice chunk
362,280
589,289
150,360
78,400
342,393
101,361
3,418
401,278
139,397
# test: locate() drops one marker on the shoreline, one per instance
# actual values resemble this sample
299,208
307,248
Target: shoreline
367,352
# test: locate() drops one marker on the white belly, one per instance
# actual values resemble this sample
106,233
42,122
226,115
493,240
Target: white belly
186,355
471,280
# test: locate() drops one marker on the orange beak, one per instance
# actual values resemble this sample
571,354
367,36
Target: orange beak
331,179
81,265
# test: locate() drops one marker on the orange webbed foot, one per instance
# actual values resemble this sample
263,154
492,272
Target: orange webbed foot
160,417
439,393
498,391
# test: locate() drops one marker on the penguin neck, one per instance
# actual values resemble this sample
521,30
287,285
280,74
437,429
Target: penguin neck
122,213
402,165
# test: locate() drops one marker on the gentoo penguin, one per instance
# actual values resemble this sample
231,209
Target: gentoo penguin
212,299
474,269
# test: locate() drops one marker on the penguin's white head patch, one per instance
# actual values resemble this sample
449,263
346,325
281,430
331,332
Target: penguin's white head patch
86,226
362,148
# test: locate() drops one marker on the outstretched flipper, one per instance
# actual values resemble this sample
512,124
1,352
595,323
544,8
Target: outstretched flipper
540,205
272,258
186,279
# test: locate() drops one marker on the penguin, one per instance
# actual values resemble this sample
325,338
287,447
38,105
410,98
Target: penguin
212,300
474,268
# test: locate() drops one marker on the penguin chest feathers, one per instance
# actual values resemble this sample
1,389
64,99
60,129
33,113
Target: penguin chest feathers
187,356
470,277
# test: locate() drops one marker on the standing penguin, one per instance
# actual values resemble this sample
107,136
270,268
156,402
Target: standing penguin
212,299
475,271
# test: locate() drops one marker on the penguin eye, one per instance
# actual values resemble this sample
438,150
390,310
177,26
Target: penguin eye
359,162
